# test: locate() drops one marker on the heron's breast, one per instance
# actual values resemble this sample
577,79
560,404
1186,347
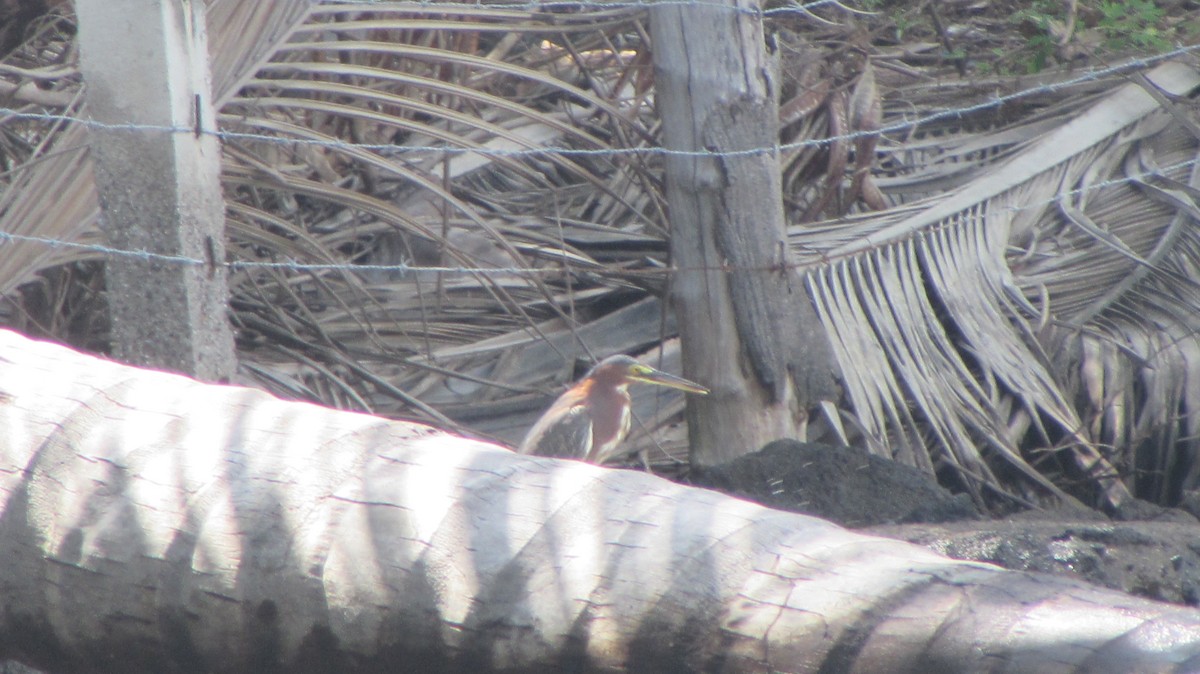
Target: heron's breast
611,419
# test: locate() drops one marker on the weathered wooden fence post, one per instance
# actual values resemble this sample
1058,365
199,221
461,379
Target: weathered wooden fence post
749,330
145,64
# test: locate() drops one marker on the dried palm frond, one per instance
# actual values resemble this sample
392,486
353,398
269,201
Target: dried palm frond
975,322
409,145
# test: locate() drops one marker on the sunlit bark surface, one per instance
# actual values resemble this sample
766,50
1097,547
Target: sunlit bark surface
152,523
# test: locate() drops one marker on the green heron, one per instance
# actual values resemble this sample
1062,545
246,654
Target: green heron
591,418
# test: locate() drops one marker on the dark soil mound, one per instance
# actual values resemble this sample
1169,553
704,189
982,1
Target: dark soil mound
840,484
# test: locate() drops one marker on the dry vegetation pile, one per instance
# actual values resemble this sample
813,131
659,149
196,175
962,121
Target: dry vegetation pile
444,215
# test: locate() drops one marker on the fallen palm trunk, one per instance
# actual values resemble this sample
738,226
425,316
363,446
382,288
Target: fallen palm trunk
152,523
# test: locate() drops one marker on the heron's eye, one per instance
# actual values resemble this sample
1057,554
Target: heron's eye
640,369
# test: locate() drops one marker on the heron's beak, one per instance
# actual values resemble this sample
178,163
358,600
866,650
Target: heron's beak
660,378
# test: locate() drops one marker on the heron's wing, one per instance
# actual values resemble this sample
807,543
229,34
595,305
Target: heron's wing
566,435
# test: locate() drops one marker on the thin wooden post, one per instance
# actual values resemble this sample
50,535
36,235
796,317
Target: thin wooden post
145,64
749,331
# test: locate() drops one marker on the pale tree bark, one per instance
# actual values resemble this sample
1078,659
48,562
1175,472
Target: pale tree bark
152,523
748,328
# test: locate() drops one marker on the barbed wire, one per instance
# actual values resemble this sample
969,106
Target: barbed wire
436,6
388,149
404,268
